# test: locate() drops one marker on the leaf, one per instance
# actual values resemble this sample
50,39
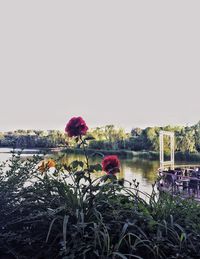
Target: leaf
104,178
112,177
74,164
120,255
79,145
50,227
96,167
77,139
65,222
89,138
79,173
81,164
97,153
77,163
124,229
183,237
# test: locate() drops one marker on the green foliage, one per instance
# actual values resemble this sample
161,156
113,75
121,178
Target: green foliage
33,139
67,213
109,138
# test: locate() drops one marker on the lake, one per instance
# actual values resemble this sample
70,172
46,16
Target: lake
144,171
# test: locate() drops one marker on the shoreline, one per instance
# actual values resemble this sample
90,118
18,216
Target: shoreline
150,155
122,153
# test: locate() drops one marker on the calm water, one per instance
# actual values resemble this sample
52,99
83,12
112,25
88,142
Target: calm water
144,171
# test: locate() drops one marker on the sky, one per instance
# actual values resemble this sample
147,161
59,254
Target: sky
127,63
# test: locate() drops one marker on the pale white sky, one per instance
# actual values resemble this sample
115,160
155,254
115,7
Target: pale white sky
128,63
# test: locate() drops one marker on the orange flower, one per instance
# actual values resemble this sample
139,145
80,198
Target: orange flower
42,167
51,163
46,165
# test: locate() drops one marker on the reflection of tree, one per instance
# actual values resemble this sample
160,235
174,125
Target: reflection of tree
147,169
69,158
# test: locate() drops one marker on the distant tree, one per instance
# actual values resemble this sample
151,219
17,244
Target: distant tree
197,136
108,137
136,132
185,140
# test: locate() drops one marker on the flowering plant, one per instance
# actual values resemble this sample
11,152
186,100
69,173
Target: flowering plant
70,213
45,165
76,127
81,172
111,164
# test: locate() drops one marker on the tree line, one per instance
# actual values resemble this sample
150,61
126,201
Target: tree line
187,138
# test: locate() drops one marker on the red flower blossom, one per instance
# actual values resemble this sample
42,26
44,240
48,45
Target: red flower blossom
76,127
111,164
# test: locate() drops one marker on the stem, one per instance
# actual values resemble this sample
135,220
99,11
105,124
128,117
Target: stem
74,181
89,174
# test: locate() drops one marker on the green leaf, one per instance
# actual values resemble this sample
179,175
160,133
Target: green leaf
50,227
65,222
76,163
108,176
120,255
96,167
77,139
183,237
97,153
89,138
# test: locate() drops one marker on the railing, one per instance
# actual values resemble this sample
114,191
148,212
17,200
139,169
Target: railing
191,166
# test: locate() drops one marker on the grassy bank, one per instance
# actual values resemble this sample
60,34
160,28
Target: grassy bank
192,157
150,155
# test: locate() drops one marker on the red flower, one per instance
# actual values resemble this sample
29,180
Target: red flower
76,127
111,164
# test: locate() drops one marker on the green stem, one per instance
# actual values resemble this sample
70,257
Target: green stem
89,174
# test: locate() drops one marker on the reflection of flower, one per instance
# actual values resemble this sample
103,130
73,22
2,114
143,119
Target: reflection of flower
111,164
46,165
76,127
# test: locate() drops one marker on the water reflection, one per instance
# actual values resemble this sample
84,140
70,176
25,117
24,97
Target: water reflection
144,171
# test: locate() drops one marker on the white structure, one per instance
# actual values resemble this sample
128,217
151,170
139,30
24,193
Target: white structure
164,163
